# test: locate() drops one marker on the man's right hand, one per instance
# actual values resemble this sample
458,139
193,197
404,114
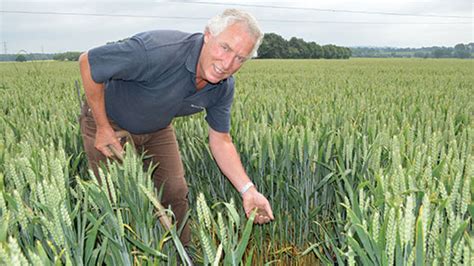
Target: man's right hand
104,137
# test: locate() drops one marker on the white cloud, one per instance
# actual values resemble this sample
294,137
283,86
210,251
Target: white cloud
65,32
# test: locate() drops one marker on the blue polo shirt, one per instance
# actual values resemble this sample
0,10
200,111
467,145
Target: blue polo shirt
151,78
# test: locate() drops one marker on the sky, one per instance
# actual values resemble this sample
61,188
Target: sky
73,25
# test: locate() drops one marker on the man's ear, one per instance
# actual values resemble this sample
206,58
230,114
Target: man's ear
207,35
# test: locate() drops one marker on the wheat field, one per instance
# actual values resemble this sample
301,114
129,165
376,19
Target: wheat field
365,162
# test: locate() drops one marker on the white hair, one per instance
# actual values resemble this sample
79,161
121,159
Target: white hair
230,16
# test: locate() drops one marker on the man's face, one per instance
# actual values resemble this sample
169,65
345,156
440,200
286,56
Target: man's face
222,55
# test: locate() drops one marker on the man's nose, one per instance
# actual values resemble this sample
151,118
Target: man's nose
227,61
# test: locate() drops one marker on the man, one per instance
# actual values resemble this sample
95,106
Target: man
141,84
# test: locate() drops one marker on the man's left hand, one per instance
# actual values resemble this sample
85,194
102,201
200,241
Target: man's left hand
252,199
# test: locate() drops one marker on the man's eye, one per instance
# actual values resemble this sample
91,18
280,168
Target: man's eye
225,48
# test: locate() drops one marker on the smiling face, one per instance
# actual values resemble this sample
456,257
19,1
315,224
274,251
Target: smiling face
222,55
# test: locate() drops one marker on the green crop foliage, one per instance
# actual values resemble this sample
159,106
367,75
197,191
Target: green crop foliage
365,162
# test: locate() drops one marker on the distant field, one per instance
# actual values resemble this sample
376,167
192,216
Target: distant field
365,162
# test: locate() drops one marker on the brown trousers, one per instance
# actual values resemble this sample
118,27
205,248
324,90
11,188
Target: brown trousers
163,148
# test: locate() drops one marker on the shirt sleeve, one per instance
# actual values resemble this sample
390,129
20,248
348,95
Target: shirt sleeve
218,115
125,60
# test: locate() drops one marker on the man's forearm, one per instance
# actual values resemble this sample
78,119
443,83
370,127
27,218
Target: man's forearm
228,159
229,162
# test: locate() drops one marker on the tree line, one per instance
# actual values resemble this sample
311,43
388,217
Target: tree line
67,56
23,57
458,51
275,46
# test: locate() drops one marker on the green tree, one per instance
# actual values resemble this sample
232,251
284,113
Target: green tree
67,56
273,46
300,48
461,51
315,50
329,51
348,53
441,53
20,58
420,55
470,47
